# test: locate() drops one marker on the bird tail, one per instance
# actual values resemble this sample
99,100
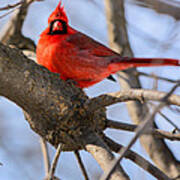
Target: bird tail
126,62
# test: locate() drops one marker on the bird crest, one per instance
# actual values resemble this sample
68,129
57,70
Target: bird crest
58,13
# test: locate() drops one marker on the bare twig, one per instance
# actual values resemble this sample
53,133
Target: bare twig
10,6
158,77
15,6
130,127
140,129
161,6
167,119
174,109
45,153
83,169
137,159
129,95
171,122
9,12
11,33
54,163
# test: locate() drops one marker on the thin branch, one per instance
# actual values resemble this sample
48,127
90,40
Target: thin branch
174,109
137,159
130,127
167,119
161,6
15,6
54,163
103,155
83,169
10,6
171,122
9,12
158,77
11,33
140,129
45,153
130,95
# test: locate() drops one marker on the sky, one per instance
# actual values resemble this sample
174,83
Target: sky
150,34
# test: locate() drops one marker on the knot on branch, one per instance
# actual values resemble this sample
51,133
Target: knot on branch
70,128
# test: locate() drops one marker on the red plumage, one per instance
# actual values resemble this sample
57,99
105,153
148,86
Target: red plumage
76,56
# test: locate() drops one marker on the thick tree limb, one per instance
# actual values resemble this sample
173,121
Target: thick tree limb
54,108
13,35
53,132
49,101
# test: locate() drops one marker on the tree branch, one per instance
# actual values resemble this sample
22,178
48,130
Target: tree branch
139,131
136,158
45,153
156,132
161,6
100,151
80,162
130,95
12,31
10,6
155,76
54,163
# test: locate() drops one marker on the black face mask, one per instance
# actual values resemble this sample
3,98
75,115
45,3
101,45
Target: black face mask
61,31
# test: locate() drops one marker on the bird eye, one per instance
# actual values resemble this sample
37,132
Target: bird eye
58,27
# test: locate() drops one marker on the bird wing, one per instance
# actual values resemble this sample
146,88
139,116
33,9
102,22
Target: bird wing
83,42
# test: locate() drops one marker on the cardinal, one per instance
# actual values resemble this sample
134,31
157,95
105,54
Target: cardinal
75,56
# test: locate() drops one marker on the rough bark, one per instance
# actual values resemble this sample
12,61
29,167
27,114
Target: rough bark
53,107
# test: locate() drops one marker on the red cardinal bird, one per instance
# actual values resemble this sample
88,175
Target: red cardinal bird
76,56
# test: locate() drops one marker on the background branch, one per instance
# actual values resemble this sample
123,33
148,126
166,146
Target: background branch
161,6
80,162
156,132
11,34
140,95
100,151
156,148
139,131
136,158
